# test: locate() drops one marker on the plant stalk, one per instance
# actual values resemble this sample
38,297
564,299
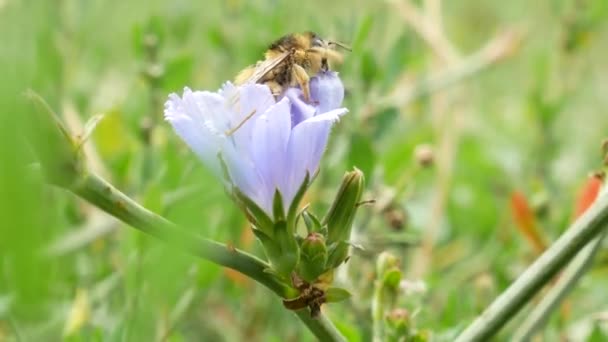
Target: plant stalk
106,197
537,275
567,281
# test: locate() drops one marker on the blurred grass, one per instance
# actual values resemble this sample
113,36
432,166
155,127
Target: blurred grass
533,123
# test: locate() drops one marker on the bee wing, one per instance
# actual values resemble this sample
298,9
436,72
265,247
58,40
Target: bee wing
264,67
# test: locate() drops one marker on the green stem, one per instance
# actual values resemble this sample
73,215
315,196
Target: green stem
513,299
378,311
567,281
103,195
320,326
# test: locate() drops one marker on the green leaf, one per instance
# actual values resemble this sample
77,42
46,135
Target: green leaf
336,294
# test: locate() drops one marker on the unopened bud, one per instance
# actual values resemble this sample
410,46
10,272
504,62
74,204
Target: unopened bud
388,270
385,262
425,157
313,257
339,219
398,320
421,336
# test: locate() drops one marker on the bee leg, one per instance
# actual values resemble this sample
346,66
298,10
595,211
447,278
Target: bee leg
300,75
275,88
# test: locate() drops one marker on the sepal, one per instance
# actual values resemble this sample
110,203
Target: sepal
338,253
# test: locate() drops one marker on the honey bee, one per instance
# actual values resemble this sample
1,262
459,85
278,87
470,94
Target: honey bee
292,60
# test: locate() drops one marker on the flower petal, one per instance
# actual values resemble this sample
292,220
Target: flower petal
241,171
269,147
327,91
306,146
246,104
300,110
194,126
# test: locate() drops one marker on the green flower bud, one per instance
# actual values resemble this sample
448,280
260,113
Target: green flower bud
385,262
388,272
313,257
398,321
340,217
421,336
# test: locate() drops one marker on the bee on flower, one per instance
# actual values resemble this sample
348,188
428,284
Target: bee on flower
266,145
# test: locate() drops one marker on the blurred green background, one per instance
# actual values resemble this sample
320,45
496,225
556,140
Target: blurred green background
525,116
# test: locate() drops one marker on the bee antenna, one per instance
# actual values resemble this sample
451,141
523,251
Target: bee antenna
343,46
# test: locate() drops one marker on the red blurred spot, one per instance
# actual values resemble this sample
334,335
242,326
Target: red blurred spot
587,194
526,221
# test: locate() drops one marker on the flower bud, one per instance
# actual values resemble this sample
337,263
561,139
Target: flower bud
421,336
424,155
398,320
385,262
340,217
313,257
388,272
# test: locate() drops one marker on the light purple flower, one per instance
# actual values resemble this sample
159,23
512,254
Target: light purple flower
277,143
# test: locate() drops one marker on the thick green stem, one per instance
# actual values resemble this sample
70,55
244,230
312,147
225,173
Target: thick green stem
567,281
321,326
103,195
378,311
514,298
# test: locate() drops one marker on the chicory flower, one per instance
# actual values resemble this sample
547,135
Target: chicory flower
255,143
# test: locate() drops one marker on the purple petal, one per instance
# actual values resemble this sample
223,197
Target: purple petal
300,110
326,91
246,104
194,126
306,146
241,171
269,146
